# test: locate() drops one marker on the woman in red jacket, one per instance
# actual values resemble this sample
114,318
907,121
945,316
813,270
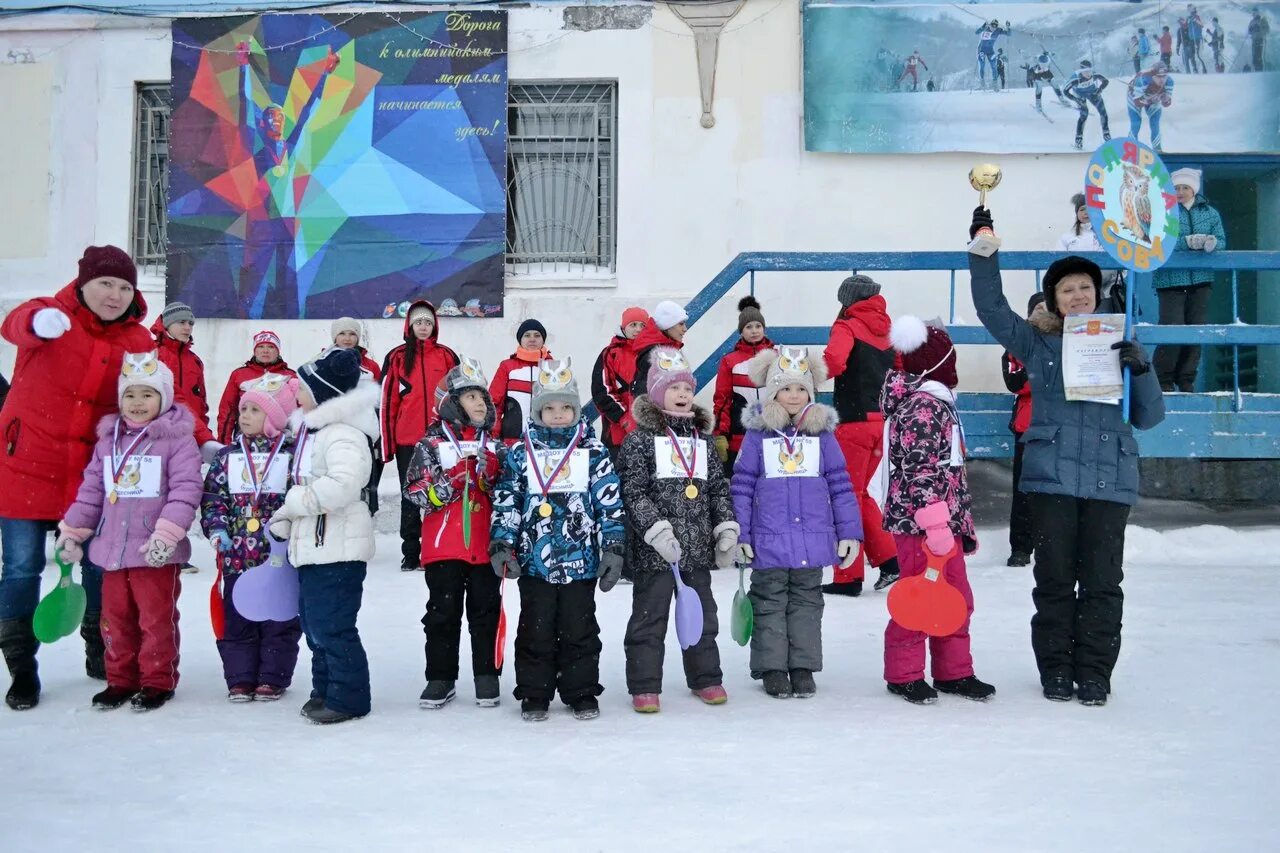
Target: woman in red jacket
174,342
410,375
611,380
512,384
70,347
266,359
734,388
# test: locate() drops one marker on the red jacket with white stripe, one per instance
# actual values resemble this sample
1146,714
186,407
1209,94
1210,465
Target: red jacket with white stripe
611,390
188,377
735,391
512,393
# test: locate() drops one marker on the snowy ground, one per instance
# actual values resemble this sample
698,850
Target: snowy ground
1184,758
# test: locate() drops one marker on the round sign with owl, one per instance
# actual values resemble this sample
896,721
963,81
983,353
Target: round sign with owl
1132,204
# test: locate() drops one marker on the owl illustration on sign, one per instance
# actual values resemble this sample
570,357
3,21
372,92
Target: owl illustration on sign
132,475
791,462
1135,202
564,472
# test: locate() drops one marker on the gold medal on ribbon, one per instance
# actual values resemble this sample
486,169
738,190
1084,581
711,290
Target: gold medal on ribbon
113,497
691,491
545,510
253,525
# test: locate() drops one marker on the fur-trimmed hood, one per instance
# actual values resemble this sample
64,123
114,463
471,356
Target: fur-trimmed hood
1047,323
771,416
358,409
650,417
174,423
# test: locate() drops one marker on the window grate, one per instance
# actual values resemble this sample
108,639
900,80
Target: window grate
151,176
562,177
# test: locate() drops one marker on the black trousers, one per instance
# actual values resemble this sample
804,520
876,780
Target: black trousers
1181,306
448,583
410,515
1020,536
1079,546
646,640
557,641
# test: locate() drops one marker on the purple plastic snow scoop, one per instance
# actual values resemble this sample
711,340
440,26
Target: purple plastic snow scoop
688,612
269,591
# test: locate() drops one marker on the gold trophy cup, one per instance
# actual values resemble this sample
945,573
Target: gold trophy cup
984,178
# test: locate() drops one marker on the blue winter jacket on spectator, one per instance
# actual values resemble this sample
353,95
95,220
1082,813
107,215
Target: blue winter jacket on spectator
1200,219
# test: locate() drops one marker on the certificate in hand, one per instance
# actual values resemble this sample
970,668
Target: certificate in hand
1090,367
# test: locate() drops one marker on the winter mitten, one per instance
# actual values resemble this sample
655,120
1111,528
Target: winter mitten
1210,243
50,323
722,448
1195,241
221,540
981,219
745,554
457,475
661,538
279,528
726,544
210,449
610,569
848,550
69,542
163,542
1133,356
503,559
935,520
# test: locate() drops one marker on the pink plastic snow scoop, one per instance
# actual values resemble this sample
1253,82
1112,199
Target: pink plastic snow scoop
926,602
268,591
688,612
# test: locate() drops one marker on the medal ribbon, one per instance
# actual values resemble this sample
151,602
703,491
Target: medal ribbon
790,442
691,465
118,462
545,485
298,450
457,445
257,482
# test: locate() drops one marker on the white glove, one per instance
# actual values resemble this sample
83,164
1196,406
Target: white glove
726,544
848,550
1209,243
745,554
50,323
661,538
1196,241
210,449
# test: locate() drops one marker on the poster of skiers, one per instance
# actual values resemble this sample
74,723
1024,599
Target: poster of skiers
1038,77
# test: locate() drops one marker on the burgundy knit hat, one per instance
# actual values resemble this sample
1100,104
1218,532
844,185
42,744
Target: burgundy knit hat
100,261
926,350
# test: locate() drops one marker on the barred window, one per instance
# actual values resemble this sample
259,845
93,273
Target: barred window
562,178
151,175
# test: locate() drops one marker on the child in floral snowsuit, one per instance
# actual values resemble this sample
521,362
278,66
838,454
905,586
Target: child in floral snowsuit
927,506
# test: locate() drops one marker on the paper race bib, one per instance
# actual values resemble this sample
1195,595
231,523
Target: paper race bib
139,479
275,482
449,456
667,461
803,460
573,477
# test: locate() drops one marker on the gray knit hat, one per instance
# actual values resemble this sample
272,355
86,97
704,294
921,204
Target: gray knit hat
856,288
176,312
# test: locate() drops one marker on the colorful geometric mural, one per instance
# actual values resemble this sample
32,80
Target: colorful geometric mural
338,164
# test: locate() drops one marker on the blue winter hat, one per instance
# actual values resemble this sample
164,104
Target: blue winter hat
334,373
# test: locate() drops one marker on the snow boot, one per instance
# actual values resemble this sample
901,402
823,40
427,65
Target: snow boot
777,684
487,691
916,692
323,716
240,693
315,703
969,688
646,703
586,708
1078,144
1092,693
713,695
853,589
95,650
1058,688
151,698
409,564
18,643
436,695
1018,559
268,693
802,684
534,710
113,697
888,573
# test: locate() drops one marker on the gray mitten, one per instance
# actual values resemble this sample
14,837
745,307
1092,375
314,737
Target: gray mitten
503,559
662,538
1209,243
1195,241
611,563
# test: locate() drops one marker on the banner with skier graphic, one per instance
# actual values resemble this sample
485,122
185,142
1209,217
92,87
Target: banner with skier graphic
1040,77
338,164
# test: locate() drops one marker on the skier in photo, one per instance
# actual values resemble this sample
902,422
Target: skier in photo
1150,92
987,35
1259,29
1041,75
1144,48
1002,63
1195,36
1217,43
913,62
1085,87
1134,54
1166,46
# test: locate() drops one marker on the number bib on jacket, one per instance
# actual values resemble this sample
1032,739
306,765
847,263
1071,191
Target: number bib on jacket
573,477
139,479
803,460
449,455
240,480
667,463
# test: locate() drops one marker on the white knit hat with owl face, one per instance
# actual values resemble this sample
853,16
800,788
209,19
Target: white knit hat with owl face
146,370
555,383
775,369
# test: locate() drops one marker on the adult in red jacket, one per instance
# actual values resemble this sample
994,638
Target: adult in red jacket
611,380
670,322
70,347
266,359
1021,539
410,376
734,388
174,342
512,385
859,355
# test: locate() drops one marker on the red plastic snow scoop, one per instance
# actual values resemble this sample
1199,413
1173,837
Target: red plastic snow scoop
500,639
217,613
926,602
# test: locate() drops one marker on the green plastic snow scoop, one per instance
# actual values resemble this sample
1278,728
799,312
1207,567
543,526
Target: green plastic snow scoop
743,618
60,611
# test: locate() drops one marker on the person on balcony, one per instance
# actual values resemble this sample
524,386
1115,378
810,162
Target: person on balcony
1184,294
1080,468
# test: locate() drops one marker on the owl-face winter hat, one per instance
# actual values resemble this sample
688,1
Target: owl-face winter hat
926,350
145,370
668,315
555,383
667,366
1187,178
772,370
1063,267
749,312
276,395
334,373
466,375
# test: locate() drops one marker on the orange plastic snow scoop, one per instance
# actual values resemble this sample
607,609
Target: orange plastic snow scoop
926,602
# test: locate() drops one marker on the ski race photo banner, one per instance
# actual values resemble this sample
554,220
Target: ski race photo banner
338,164
1040,77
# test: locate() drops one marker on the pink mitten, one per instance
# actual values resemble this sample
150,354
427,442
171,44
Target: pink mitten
69,541
935,520
163,542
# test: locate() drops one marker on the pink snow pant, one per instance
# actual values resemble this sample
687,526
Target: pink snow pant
903,649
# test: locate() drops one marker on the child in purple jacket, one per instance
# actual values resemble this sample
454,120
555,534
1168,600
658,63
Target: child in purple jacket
927,506
246,484
140,494
797,512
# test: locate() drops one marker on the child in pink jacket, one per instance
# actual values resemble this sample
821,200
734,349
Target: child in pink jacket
140,493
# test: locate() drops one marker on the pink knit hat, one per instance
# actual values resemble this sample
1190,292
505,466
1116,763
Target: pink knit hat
276,395
667,366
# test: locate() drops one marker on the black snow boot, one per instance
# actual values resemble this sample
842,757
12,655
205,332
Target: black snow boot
18,643
487,691
802,684
777,684
95,650
323,716
1058,688
309,707
888,573
853,589
1018,558
916,692
1092,693
586,708
437,694
969,687
535,710
151,698
113,697
409,564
